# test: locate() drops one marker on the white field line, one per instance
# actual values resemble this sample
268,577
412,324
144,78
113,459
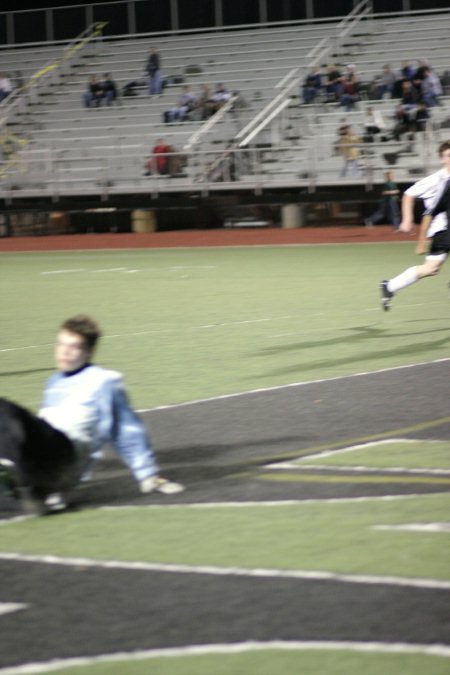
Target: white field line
212,570
363,469
8,607
272,503
294,384
361,446
64,271
440,650
161,251
242,505
352,448
417,527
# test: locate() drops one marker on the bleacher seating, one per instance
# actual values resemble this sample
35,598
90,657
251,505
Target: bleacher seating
77,150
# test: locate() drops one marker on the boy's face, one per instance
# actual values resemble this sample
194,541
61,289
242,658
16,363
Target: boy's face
71,352
445,159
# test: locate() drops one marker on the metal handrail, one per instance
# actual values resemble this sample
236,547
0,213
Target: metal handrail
20,99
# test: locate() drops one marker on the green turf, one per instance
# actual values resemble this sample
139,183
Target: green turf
279,537
409,454
269,662
194,323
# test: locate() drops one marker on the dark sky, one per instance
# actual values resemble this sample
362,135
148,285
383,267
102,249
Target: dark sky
15,5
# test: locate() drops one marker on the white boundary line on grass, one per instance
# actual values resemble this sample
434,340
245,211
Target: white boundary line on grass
263,573
359,468
441,650
263,390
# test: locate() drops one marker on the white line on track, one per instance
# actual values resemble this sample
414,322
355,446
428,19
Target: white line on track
294,384
435,649
263,573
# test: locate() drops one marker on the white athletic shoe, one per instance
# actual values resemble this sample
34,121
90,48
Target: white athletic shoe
158,484
54,503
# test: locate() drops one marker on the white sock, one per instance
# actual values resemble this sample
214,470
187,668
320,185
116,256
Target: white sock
406,278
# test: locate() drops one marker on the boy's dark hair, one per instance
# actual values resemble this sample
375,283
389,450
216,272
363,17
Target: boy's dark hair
443,147
83,325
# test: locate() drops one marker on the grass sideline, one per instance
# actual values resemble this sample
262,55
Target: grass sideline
173,319
195,323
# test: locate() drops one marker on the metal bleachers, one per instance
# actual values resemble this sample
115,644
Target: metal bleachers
70,149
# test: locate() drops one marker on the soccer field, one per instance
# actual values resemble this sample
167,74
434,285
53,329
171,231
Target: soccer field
193,323
312,431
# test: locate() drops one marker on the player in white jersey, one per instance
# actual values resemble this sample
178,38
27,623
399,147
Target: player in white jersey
430,190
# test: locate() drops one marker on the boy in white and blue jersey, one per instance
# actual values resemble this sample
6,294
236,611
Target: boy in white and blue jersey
89,406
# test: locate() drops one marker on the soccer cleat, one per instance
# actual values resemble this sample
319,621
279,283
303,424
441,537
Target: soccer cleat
157,484
54,503
386,295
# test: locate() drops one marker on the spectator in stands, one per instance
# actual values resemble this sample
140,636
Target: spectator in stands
410,99
431,87
406,71
388,209
341,131
403,122
312,85
405,75
159,160
185,104
419,75
350,88
349,147
153,69
373,124
94,94
217,99
386,82
333,83
109,88
6,86
201,110
421,117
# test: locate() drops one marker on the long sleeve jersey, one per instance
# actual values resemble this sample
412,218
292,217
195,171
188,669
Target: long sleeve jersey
91,407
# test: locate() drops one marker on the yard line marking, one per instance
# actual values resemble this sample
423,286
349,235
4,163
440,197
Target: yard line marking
361,446
237,505
435,649
270,503
18,349
66,271
416,527
7,607
263,573
365,469
291,385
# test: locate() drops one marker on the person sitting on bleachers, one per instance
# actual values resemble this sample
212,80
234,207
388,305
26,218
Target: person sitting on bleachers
333,83
6,86
217,99
431,87
185,104
350,86
386,82
312,85
109,89
373,124
158,162
94,94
